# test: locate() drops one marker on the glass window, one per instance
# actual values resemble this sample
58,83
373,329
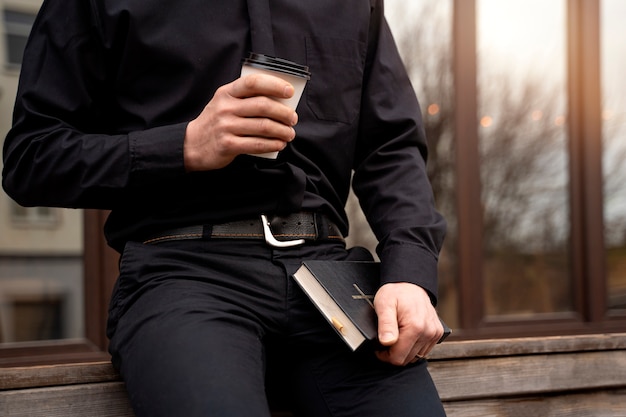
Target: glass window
423,32
34,216
41,248
524,157
38,318
613,64
41,278
17,28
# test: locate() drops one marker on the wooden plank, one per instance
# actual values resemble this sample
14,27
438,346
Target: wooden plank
528,346
558,376
527,375
88,400
24,377
107,399
49,351
593,404
67,374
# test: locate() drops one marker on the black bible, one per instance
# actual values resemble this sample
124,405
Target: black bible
343,291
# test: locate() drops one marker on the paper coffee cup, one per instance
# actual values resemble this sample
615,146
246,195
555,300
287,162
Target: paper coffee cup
295,74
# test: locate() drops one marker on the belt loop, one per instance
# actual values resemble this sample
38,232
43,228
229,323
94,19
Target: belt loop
321,226
207,231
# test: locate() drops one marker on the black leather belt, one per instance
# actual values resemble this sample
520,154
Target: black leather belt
278,231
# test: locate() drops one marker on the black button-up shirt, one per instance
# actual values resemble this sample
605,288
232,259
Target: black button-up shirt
108,86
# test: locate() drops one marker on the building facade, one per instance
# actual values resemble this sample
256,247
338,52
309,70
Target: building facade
41,248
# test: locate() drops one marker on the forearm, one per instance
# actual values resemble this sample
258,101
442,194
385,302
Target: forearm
62,167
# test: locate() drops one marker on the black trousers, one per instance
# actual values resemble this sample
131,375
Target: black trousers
219,328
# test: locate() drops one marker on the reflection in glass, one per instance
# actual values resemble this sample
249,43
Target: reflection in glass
425,47
41,274
17,26
613,66
523,150
423,31
41,248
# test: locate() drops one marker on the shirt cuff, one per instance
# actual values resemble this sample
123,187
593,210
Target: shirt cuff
157,153
410,263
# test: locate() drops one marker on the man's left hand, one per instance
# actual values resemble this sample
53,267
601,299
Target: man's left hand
408,324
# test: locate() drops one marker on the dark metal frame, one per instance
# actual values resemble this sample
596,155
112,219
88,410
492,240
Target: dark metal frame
586,204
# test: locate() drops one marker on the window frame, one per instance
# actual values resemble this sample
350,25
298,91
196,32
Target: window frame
24,217
100,265
17,29
588,273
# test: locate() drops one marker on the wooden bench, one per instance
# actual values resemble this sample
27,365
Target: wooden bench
574,376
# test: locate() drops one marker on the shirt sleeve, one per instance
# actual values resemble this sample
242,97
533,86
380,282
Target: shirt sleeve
63,150
390,177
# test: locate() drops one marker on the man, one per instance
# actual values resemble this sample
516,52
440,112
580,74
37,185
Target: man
137,107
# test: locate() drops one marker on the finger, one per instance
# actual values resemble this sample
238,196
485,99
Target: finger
429,338
401,350
417,358
410,353
387,325
264,107
422,353
261,85
253,145
435,332
399,354
413,341
264,128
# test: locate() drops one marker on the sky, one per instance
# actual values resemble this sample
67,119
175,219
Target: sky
528,37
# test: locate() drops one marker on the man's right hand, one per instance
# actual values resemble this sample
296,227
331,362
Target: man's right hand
241,118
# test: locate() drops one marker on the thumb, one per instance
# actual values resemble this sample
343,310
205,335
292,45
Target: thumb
387,324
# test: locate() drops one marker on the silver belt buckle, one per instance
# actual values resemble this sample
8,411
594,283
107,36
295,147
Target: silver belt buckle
272,241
